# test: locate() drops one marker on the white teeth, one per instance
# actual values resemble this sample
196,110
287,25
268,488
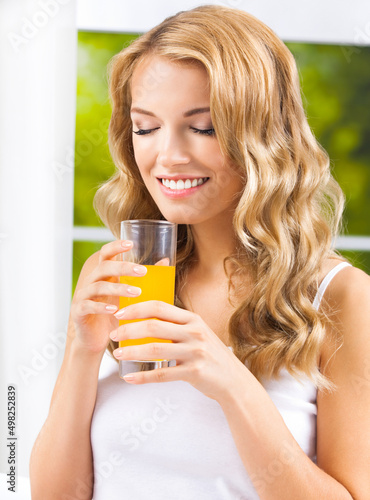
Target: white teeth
181,184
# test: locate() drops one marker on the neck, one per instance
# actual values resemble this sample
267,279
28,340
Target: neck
213,243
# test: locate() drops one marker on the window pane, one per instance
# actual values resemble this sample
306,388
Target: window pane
335,82
93,164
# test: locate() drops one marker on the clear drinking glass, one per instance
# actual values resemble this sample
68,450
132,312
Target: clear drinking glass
154,246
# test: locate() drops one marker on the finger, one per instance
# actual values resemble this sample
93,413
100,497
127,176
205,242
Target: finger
109,268
158,376
156,309
112,249
86,307
108,289
163,262
151,328
154,350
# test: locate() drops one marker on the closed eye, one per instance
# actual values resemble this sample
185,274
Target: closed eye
208,131
145,131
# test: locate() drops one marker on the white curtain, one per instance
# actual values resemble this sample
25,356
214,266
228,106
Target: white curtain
317,21
38,48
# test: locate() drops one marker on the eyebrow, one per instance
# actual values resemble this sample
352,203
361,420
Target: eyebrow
191,112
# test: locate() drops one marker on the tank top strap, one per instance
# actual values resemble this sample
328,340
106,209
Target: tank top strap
325,282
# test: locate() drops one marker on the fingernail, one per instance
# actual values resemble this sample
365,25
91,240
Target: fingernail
111,308
129,377
134,290
120,314
118,353
126,244
140,270
113,335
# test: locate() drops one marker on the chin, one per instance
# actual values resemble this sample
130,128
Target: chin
191,219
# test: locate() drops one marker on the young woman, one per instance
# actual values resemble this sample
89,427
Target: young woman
270,395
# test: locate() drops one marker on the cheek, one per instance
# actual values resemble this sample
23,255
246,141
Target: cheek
142,157
210,152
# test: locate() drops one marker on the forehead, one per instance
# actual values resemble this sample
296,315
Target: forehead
158,75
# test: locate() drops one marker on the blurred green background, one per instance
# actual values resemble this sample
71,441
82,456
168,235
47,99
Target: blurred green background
335,85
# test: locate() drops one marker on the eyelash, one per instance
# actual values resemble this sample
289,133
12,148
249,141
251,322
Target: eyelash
208,132
143,131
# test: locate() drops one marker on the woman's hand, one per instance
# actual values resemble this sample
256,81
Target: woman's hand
97,299
202,359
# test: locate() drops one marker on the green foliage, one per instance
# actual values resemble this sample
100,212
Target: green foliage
335,82
93,164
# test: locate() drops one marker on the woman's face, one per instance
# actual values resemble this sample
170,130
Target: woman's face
175,146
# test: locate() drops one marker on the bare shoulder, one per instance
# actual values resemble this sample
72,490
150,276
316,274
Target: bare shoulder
346,302
343,418
348,294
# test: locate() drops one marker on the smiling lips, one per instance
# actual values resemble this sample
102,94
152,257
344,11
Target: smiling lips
182,184
180,188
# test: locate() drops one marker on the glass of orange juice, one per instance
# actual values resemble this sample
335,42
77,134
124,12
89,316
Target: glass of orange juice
154,246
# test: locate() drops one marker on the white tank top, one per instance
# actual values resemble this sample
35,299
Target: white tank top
169,441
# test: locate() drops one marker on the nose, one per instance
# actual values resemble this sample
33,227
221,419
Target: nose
173,150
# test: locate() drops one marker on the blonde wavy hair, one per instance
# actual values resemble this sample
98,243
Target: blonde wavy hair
291,206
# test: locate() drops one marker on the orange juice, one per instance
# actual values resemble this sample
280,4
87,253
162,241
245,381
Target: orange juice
157,284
